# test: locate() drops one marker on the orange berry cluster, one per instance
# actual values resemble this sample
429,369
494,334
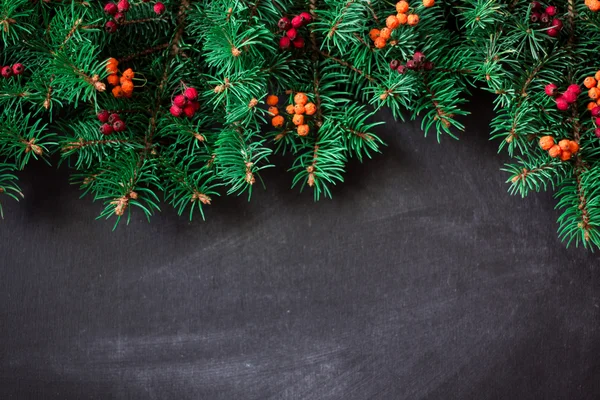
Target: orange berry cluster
381,36
564,149
299,109
593,5
123,85
592,83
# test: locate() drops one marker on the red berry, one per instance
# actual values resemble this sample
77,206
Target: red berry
428,66
285,43
159,8
110,27
536,5
6,72
123,5
191,94
284,23
553,32
550,89
561,103
410,64
394,64
180,101
196,105
535,17
544,18
119,126
18,69
103,116
595,111
597,121
119,17
106,129
297,22
306,17
597,132
418,57
401,69
175,111
551,11
557,23
110,9
298,42
574,88
113,118
569,97
292,33
189,111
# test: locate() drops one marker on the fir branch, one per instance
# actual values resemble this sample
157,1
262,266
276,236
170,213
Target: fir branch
348,65
144,52
340,18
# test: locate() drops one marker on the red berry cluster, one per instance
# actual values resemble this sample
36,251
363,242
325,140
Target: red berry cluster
291,36
15,69
185,104
545,17
110,122
117,11
564,100
418,63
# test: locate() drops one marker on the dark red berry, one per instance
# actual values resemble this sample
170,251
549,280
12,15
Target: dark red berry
297,22
306,17
418,57
113,118
110,9
189,111
119,126
18,69
159,8
123,5
298,42
551,11
175,111
196,105
553,32
574,88
103,116
106,129
110,27
544,18
401,69
394,64
569,97
191,94
595,111
284,23
180,101
597,132
119,17
285,43
6,72
557,23
536,5
561,103
291,33
535,17
410,64
428,66
550,89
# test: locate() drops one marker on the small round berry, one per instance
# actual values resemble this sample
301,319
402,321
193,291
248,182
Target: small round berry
298,119
418,57
597,132
591,105
119,126
189,111
590,82
106,129
550,89
103,116
392,22
285,43
565,155
597,121
127,87
290,109
402,6
284,23
536,5
554,151
595,111
593,93
597,76
299,109
394,64
175,111
569,97
123,5
110,9
564,145
401,69
300,98
428,3
291,33
273,110
306,17
428,66
298,42
561,103
18,69
551,11
385,33
277,121
553,32
574,88
303,130
113,79
191,94
310,108
546,142
110,27
119,17
118,92
380,43
272,100
159,8
557,23
573,146
297,22
374,34
410,64
413,19
112,118
402,18
112,65
128,74
544,18
535,17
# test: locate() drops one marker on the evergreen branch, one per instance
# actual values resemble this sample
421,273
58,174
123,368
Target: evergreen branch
144,52
340,17
347,65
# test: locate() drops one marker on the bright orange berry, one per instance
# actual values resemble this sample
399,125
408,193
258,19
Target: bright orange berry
300,98
374,34
299,109
589,82
392,22
554,151
428,3
303,130
402,18
113,79
310,108
402,6
272,100
277,121
413,19
128,74
546,142
290,109
298,119
117,91
385,33
274,110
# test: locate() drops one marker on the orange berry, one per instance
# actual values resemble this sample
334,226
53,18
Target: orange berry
589,82
113,79
117,91
402,6
546,142
392,22
594,5
380,43
127,87
298,119
310,108
277,121
128,74
385,33
299,109
591,105
303,130
272,100
300,98
597,76
374,34
413,19
402,18
564,145
573,146
428,3
554,151
593,93
274,110
290,109
565,155
111,66
124,79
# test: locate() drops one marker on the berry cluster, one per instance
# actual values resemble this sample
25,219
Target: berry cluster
564,100
545,18
593,5
117,11
299,109
110,122
10,70
593,84
381,36
565,149
291,36
185,104
123,85
418,63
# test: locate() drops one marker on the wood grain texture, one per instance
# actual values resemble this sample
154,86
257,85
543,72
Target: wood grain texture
421,279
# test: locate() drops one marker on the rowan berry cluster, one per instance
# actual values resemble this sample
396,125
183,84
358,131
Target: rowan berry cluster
418,63
110,122
545,17
563,100
122,85
392,22
592,83
565,148
291,36
301,108
185,104
119,10
10,70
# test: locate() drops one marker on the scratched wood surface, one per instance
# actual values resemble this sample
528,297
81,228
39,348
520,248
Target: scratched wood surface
421,279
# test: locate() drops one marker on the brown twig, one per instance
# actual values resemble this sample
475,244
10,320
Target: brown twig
144,52
339,21
347,65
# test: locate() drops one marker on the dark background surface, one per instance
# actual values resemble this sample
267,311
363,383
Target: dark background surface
421,279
